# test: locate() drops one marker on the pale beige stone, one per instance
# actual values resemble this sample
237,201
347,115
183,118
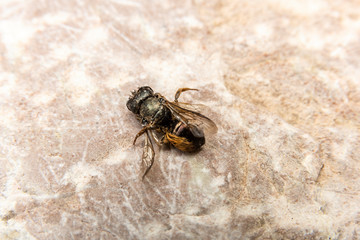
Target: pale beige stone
281,79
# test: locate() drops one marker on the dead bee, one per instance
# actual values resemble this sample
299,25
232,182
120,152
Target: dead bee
176,122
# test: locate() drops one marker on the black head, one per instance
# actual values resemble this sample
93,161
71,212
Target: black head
136,98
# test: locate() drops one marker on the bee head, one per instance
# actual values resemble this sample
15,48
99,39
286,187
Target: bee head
137,97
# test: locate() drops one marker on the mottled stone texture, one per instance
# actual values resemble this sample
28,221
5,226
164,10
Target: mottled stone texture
280,77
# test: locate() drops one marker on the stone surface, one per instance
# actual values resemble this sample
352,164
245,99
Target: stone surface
281,79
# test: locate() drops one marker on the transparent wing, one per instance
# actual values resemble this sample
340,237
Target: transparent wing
148,155
185,114
191,106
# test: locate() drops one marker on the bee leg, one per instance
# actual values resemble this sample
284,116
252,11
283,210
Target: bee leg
142,131
158,142
180,90
164,140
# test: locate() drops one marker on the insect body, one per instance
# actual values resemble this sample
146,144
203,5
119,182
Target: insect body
177,124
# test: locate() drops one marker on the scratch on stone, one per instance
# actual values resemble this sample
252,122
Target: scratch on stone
132,229
70,28
127,3
247,149
319,174
45,178
112,233
109,116
158,192
127,202
48,166
85,151
140,198
127,40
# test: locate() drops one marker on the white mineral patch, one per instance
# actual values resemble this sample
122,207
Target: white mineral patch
80,175
61,52
306,7
43,98
264,31
116,157
80,86
7,85
15,35
95,35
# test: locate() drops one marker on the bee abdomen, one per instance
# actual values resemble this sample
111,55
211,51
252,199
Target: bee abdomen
184,140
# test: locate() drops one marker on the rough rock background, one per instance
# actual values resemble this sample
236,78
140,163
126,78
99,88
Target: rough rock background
281,79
